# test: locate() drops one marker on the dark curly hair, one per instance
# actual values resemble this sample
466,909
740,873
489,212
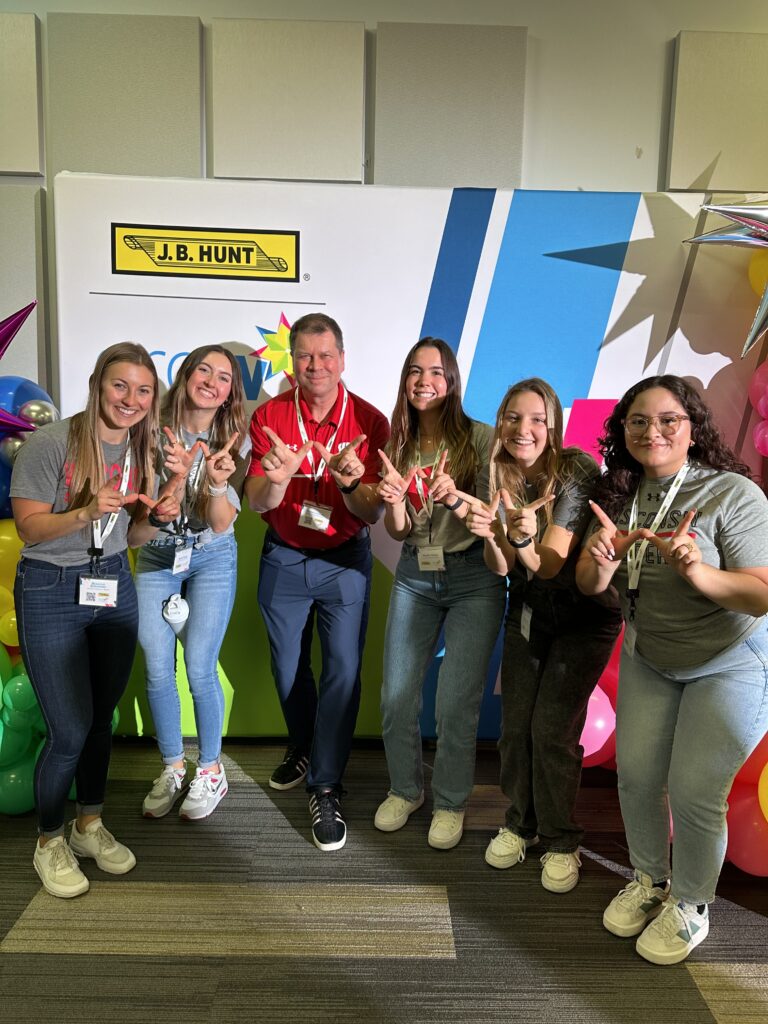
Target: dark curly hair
623,472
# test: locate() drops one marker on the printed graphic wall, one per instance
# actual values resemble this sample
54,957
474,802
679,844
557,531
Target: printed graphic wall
592,291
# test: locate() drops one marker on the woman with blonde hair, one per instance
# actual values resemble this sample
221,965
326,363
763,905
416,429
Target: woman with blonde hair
556,642
441,582
205,425
74,488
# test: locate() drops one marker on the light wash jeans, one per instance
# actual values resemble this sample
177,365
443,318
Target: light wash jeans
209,588
468,601
682,734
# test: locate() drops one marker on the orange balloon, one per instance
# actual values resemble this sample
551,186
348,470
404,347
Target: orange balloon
762,791
758,271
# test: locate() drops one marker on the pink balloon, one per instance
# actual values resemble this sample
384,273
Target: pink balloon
762,405
599,729
760,437
752,768
609,680
747,831
758,384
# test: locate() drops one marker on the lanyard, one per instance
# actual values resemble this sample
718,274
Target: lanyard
426,499
636,552
99,535
317,474
190,491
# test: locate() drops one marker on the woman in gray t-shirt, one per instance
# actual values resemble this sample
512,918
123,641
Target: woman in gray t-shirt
682,533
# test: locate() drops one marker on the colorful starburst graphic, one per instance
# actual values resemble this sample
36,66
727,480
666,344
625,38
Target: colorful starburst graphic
276,353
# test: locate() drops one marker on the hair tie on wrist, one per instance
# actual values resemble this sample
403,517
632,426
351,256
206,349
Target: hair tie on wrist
154,521
216,492
520,543
457,504
352,487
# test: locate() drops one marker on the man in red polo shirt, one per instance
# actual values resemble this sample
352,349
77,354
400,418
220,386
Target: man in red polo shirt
313,477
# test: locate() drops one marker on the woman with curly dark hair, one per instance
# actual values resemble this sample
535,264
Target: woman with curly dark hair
682,532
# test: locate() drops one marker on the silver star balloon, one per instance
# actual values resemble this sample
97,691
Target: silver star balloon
751,233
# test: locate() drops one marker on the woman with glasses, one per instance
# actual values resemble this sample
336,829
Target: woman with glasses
556,642
682,533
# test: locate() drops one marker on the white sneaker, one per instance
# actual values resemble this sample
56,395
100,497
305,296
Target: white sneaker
677,931
560,871
446,829
207,790
635,906
58,869
166,790
507,848
395,811
99,843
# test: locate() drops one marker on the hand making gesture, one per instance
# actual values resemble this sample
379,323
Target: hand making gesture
280,463
442,486
522,523
220,465
680,551
178,459
345,467
607,545
166,509
393,487
107,500
483,518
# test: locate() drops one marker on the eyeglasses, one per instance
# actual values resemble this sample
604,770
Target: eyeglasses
668,424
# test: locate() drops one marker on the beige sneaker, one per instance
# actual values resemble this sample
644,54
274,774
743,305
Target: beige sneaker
58,869
100,844
393,813
560,871
446,829
507,848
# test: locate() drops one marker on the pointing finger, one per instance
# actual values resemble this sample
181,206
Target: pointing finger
273,437
602,517
685,523
353,445
170,435
534,506
387,464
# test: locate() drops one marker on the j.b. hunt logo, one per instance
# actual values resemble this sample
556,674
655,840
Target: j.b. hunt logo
205,252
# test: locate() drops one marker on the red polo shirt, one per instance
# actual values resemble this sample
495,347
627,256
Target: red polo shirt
279,414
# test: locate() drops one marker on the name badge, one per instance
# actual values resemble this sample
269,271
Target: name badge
431,558
525,622
315,517
181,559
98,591
630,639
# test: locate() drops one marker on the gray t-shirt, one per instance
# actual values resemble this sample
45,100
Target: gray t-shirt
571,511
448,531
194,524
677,626
41,473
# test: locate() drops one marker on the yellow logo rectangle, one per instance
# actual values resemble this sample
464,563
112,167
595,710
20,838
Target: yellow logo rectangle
205,252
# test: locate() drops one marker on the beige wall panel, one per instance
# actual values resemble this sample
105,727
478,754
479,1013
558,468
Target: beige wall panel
21,276
19,95
124,94
449,104
287,99
718,120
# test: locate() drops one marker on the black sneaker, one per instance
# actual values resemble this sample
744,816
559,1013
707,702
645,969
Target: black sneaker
329,830
292,771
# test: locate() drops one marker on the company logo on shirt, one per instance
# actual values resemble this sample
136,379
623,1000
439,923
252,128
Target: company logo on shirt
246,254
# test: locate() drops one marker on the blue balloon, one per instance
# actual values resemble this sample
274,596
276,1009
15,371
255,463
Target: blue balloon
15,391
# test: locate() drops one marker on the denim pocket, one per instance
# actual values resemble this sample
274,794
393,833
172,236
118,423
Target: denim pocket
757,642
33,579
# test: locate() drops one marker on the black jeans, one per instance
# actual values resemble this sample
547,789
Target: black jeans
78,659
545,687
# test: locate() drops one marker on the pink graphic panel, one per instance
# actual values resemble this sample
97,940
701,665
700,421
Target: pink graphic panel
585,423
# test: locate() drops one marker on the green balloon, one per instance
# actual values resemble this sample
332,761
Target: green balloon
13,744
16,719
18,669
17,794
115,720
6,665
18,694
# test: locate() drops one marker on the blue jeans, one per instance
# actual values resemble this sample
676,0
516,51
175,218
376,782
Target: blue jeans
209,588
681,736
78,659
467,601
335,583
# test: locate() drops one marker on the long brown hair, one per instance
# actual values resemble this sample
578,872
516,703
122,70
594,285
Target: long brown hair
229,418
454,427
505,471
84,449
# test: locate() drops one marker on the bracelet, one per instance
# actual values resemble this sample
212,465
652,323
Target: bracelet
520,543
154,521
352,487
457,504
216,492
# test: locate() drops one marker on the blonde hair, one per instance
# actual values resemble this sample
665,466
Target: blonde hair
84,450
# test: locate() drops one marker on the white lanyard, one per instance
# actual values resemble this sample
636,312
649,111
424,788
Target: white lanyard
317,474
99,535
636,552
427,500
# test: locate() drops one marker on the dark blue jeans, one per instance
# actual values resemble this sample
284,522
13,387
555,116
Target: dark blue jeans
545,687
78,659
335,584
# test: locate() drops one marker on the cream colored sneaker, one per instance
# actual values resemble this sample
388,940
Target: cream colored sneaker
394,812
446,829
58,869
560,871
100,844
507,848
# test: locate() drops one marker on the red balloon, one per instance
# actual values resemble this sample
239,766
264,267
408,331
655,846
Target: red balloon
753,766
758,384
747,831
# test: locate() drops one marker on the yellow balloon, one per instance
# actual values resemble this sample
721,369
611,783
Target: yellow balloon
762,790
758,271
10,548
6,600
9,631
